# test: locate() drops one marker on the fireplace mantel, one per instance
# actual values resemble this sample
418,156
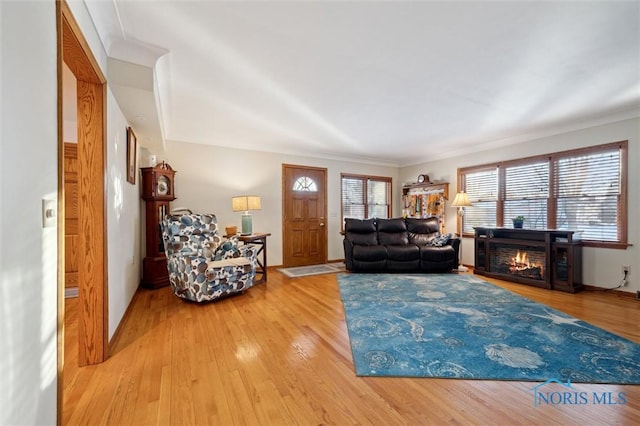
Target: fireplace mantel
549,258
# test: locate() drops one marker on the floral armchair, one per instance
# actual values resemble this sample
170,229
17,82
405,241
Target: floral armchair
202,265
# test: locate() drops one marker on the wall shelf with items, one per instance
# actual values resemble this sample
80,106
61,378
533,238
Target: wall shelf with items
422,200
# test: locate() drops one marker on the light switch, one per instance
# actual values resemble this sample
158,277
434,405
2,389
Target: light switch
49,213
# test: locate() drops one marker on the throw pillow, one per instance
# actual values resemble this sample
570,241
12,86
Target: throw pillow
440,240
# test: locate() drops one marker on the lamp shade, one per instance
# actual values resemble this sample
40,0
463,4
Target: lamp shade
245,203
461,200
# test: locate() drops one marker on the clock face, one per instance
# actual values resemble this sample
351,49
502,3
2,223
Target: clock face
423,178
163,185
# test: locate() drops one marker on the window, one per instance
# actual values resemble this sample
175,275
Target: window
587,192
526,191
305,183
482,189
365,197
583,189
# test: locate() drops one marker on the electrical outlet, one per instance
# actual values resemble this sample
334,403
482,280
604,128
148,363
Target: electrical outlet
626,269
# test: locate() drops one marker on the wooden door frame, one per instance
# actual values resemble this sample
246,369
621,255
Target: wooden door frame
74,51
326,206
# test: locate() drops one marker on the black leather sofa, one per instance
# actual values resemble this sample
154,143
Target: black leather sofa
398,245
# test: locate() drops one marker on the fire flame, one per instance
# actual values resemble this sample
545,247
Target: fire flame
521,259
521,262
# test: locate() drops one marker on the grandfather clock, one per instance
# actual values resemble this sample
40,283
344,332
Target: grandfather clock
157,192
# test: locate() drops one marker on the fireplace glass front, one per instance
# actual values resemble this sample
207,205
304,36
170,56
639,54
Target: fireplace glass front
518,260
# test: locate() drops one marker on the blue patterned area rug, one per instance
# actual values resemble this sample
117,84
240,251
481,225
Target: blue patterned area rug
459,326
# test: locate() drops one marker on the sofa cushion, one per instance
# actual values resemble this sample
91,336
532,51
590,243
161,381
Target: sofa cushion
392,232
360,231
373,266
391,225
369,253
422,231
437,254
402,265
404,252
423,226
360,226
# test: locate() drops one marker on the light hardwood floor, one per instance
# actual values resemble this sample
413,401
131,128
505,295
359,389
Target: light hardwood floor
279,354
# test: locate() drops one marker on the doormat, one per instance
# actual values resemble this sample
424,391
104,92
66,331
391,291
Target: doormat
305,271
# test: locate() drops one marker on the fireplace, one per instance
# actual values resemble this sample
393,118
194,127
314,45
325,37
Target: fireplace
548,259
520,261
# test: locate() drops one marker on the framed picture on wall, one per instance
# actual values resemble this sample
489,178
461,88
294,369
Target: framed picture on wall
132,150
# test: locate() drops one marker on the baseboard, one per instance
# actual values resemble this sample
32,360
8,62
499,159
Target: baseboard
615,292
612,291
123,320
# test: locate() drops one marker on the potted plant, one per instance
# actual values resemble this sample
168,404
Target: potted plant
518,221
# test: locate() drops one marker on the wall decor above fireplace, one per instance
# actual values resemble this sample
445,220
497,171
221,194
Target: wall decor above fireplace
549,259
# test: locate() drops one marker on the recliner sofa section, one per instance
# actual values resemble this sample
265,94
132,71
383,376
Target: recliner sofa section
398,245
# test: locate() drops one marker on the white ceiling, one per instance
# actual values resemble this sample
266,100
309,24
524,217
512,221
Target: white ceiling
387,82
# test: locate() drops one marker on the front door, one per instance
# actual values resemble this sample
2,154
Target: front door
304,196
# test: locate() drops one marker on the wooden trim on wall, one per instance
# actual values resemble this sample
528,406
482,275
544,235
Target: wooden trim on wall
61,222
93,326
74,51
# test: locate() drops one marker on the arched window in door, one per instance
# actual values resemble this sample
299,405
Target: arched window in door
305,183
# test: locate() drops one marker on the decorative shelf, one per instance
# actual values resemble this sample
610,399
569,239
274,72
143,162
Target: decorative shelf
427,188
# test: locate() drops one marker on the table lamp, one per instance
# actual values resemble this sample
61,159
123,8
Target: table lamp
246,203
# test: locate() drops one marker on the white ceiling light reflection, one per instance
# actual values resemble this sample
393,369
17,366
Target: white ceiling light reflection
247,352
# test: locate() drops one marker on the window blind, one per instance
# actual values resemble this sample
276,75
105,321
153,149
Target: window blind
378,198
526,190
587,191
353,200
582,189
482,189
365,197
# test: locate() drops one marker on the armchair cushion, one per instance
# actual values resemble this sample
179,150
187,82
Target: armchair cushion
193,233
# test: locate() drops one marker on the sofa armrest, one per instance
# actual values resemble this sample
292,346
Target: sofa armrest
251,253
455,243
348,254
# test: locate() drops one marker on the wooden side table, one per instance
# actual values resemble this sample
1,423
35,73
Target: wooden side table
259,240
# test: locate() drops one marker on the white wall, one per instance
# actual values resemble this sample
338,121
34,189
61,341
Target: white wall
207,177
123,219
601,267
28,173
